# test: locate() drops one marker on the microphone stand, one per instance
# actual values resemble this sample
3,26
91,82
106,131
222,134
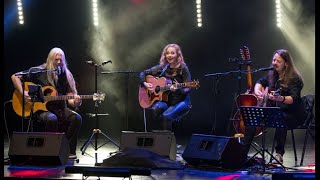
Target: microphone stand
215,94
219,74
127,73
96,131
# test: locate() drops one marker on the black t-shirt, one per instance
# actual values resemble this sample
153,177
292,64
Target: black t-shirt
295,112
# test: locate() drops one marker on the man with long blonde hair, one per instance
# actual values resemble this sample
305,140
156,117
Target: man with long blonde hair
59,118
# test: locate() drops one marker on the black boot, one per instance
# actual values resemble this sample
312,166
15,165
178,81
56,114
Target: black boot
166,124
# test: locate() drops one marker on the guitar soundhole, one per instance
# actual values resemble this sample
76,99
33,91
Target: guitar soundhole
47,92
157,89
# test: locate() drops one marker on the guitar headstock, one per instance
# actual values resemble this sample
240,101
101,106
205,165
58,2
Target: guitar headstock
98,96
245,53
193,84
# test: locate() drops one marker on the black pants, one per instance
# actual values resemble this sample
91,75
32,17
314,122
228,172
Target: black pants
280,136
64,120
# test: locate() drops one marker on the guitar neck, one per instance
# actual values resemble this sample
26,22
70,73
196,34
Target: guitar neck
179,85
66,97
249,79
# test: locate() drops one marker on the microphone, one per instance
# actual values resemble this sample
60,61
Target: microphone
266,69
58,70
106,62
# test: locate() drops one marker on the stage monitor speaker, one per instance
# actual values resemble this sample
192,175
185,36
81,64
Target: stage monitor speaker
38,148
160,142
214,150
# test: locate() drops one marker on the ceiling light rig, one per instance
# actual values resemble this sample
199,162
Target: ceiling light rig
199,13
278,13
95,12
20,12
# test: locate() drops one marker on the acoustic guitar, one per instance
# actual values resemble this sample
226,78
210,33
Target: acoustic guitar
50,94
162,84
246,99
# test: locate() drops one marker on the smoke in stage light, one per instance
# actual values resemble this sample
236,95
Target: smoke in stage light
299,29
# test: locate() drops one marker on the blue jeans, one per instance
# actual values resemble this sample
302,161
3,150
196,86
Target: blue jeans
165,115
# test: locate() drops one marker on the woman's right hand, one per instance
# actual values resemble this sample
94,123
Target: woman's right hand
149,86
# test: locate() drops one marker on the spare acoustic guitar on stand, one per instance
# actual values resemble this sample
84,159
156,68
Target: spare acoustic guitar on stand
246,99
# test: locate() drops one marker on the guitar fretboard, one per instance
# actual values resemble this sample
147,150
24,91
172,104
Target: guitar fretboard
179,85
65,97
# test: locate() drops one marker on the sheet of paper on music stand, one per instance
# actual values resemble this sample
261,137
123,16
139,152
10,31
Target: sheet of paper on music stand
263,116
35,92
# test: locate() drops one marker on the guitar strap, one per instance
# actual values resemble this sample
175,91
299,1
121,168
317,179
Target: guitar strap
164,69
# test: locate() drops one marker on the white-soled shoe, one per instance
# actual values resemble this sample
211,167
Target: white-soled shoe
72,156
279,158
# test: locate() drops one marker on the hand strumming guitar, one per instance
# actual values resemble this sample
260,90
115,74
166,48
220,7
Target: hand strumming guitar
149,86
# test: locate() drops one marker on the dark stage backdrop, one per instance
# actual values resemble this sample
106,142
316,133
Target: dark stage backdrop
228,25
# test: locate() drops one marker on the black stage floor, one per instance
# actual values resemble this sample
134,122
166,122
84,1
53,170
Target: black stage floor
86,167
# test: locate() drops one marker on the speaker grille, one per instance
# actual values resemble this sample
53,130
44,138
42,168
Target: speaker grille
38,148
214,150
160,142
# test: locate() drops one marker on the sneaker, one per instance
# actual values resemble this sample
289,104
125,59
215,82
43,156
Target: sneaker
279,158
179,149
72,156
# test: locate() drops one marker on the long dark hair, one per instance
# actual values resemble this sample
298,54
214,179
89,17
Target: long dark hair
290,70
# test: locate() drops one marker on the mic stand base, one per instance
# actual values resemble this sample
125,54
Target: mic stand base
96,132
262,151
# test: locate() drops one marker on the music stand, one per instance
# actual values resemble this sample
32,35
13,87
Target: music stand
256,116
35,92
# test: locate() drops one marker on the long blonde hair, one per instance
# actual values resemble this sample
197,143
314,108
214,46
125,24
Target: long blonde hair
49,65
163,61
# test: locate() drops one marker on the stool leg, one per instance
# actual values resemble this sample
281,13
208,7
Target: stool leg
144,120
304,147
294,148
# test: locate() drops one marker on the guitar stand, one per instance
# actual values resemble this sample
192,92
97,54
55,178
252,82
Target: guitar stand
263,117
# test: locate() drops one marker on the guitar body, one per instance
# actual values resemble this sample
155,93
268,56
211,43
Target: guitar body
49,94
244,100
146,97
161,88
17,101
